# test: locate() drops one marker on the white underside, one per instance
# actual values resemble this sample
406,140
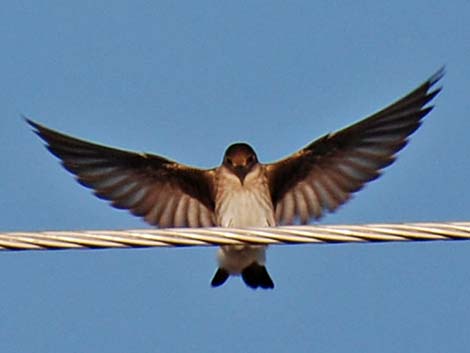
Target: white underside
235,258
247,205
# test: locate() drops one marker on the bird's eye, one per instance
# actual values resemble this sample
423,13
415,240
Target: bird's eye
250,159
229,160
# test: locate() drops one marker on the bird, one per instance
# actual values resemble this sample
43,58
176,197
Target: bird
243,192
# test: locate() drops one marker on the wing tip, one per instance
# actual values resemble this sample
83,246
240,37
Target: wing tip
436,77
36,127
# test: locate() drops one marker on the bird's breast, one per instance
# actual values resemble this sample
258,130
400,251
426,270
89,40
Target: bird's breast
247,205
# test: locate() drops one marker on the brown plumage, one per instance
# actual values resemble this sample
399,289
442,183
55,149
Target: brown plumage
318,178
324,174
163,192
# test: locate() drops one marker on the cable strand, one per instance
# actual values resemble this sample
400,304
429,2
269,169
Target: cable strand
176,237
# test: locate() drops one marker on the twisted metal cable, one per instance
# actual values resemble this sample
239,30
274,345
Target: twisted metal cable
138,238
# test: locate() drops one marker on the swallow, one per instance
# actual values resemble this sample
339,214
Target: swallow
243,192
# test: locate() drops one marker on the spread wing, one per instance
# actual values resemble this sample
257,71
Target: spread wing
163,192
324,174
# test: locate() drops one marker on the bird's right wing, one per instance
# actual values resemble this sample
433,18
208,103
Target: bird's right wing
323,175
163,192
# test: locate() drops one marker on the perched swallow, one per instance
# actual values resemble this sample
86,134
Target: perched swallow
242,192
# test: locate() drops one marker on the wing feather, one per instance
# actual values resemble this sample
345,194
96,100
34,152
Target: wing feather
163,192
323,175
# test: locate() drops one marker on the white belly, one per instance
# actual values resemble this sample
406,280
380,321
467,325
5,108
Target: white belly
244,208
247,205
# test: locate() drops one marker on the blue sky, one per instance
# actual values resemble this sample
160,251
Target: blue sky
185,79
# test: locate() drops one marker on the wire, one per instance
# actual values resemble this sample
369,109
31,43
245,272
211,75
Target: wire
138,238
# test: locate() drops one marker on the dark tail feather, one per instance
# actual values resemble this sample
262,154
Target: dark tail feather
219,278
256,276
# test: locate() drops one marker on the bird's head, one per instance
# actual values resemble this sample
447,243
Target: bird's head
240,158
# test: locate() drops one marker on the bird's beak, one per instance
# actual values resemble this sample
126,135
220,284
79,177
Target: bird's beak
240,172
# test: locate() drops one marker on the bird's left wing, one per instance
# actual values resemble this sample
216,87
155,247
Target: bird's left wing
163,192
324,174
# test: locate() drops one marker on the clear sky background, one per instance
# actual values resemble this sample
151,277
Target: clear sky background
186,79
